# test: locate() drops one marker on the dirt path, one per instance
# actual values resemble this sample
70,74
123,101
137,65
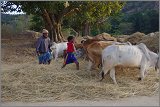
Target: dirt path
132,101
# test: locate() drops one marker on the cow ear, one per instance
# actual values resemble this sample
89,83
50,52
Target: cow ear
53,43
157,52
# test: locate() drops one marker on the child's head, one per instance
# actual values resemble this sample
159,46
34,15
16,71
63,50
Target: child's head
70,38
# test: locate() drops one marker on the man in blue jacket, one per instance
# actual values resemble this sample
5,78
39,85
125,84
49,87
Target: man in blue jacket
43,48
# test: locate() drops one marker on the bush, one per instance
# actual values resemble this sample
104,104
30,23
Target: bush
7,31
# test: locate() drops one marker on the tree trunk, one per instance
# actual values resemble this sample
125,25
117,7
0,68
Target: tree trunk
58,33
54,27
48,24
86,29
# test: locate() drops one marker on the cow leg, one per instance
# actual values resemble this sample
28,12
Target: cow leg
157,69
93,62
102,76
97,65
89,65
142,71
105,68
56,56
112,75
103,73
84,58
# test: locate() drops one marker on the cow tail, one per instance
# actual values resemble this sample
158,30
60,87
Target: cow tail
102,71
145,50
102,61
157,66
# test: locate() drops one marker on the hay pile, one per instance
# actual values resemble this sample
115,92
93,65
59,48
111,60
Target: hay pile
31,34
151,41
30,82
24,80
104,36
121,38
18,55
135,37
17,51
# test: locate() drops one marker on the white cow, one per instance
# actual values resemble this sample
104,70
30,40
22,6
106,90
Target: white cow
158,64
58,49
127,56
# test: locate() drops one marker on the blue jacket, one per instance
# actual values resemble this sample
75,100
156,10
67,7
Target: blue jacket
43,44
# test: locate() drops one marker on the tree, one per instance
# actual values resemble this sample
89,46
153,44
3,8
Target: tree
14,24
100,28
37,23
93,13
125,28
54,12
146,21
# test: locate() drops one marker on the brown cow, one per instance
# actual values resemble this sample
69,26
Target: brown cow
93,49
77,46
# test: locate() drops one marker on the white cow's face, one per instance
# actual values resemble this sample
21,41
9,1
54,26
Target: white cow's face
154,59
53,48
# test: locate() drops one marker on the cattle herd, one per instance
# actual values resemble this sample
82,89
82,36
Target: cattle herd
105,55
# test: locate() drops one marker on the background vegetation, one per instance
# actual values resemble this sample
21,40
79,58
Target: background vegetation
142,16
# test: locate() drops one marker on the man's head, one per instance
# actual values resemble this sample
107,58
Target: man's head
45,33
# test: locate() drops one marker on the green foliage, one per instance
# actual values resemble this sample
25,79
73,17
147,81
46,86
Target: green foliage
115,21
37,23
68,32
7,31
103,16
7,19
132,7
147,21
93,12
121,23
100,28
135,16
13,24
33,7
125,28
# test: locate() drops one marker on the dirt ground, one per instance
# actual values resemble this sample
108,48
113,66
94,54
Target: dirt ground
132,101
24,81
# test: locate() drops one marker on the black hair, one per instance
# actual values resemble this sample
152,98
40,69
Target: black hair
70,38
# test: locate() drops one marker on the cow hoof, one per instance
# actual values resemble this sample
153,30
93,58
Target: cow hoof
63,66
100,80
139,79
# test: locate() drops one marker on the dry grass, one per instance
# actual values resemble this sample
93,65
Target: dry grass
152,42
30,82
104,36
135,37
23,79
